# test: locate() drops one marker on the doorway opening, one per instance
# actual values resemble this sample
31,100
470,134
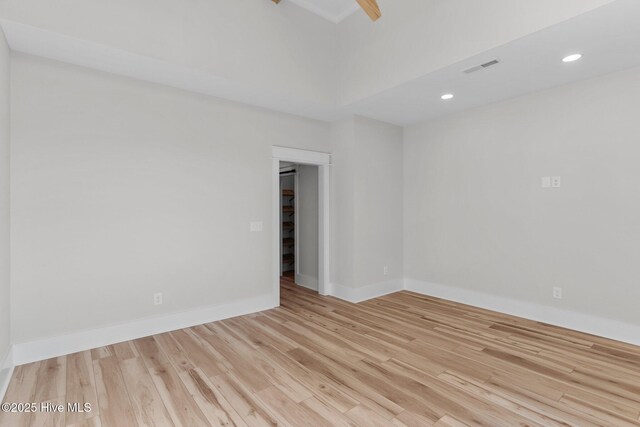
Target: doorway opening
300,188
299,229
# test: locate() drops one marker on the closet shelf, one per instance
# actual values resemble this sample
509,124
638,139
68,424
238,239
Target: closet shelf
288,258
288,242
288,224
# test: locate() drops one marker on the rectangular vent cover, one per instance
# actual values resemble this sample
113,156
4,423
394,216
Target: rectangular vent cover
482,66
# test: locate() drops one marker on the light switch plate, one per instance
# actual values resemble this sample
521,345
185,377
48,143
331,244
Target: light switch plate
255,226
546,182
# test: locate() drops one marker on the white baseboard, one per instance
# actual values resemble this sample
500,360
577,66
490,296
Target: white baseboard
603,327
306,281
84,340
364,293
6,370
46,348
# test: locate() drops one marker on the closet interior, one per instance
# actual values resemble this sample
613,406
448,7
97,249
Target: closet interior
288,189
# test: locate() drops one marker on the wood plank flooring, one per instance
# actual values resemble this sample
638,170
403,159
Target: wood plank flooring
400,360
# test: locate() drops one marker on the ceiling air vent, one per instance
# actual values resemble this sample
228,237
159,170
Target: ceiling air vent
482,66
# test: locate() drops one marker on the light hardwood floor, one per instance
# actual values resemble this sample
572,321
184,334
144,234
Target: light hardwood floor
399,360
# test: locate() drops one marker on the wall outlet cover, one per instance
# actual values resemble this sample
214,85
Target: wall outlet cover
557,292
157,299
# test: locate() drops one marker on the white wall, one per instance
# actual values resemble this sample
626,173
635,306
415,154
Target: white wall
416,37
308,231
122,188
342,202
378,202
367,204
477,218
4,202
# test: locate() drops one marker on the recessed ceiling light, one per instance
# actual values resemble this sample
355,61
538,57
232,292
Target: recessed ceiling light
572,58
447,96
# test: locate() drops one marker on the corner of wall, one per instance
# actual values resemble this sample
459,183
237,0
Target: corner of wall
6,359
6,371
364,293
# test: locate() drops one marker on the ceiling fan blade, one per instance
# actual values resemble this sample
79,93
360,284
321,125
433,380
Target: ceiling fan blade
371,8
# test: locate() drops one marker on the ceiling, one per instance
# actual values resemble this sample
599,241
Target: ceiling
333,10
609,38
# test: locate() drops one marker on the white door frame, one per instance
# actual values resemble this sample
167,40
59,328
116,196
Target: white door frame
303,157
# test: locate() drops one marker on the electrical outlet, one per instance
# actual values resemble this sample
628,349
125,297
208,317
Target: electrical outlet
385,270
557,292
157,299
556,181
